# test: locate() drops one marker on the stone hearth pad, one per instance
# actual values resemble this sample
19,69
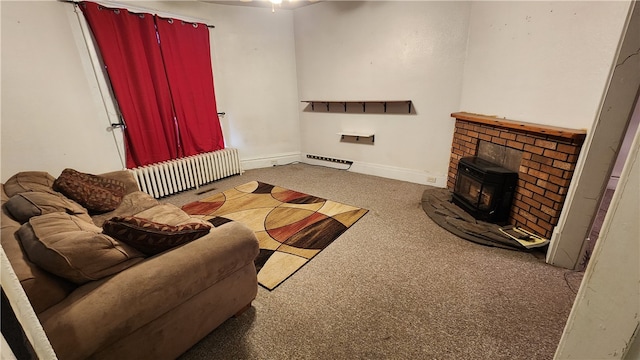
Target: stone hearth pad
436,203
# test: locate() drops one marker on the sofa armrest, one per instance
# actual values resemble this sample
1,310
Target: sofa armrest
101,312
126,176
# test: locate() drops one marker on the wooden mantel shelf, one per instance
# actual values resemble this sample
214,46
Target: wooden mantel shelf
574,134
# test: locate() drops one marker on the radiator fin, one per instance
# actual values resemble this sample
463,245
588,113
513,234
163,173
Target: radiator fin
170,177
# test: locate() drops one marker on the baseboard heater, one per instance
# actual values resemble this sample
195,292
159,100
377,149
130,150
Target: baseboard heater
173,176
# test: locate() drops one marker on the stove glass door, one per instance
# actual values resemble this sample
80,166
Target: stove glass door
474,192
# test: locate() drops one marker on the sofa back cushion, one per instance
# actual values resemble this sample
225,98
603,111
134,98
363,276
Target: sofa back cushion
126,177
169,214
74,249
29,181
131,204
42,288
26,205
97,193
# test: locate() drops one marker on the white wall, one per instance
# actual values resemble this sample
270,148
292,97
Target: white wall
49,118
383,50
548,65
625,147
52,115
254,69
541,62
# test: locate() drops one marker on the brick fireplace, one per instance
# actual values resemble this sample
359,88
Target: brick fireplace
548,159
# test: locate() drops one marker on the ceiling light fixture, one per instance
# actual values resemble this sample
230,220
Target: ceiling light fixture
274,3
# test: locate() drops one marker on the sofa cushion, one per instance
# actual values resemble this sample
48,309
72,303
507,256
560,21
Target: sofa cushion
127,178
169,214
131,204
151,237
74,249
26,205
29,181
42,288
96,193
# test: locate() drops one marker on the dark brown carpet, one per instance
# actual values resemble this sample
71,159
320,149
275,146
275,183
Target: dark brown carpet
394,286
437,204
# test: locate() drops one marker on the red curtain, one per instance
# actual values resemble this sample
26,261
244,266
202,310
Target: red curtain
129,47
160,71
187,61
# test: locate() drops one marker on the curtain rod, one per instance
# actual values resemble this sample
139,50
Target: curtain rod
77,2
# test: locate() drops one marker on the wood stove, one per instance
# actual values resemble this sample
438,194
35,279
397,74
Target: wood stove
484,190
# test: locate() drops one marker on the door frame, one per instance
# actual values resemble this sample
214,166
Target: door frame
598,156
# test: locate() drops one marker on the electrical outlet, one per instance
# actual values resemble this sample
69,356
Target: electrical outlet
431,179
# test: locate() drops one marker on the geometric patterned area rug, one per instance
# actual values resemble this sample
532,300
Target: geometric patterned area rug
292,227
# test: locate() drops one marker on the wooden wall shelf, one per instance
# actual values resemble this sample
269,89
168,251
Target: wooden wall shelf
354,137
363,103
567,133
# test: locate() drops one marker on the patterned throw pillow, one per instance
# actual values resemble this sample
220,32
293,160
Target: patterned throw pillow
151,237
96,193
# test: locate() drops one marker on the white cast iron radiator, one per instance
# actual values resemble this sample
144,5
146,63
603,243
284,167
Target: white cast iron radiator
170,177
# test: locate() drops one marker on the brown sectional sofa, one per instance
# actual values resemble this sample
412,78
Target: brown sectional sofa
136,306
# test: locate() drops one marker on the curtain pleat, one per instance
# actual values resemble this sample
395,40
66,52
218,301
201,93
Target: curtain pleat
166,95
187,61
